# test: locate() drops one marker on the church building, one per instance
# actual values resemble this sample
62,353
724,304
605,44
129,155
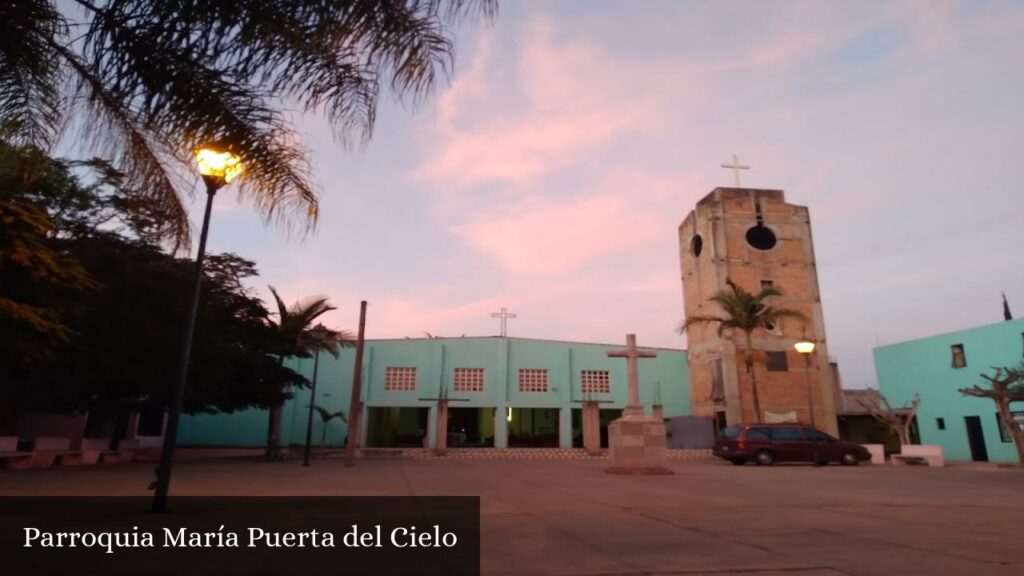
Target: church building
519,392
501,392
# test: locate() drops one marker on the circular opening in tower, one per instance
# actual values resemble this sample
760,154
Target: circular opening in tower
761,237
696,245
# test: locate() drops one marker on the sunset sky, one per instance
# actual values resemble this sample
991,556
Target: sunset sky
550,175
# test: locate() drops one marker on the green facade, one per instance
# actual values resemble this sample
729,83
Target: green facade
925,366
406,413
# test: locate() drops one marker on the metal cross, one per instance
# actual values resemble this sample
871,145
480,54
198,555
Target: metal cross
736,167
504,315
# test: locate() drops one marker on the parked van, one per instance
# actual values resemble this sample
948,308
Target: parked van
765,444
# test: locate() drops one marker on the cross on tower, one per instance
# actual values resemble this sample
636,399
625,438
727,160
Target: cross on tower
736,167
633,407
504,315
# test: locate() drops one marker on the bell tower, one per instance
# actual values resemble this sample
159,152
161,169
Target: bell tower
755,239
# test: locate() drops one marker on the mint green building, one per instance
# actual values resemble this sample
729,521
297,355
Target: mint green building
937,367
503,392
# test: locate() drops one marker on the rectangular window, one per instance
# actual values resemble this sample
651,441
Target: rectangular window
533,380
786,434
959,358
940,423
468,380
767,284
777,362
400,379
595,382
1004,432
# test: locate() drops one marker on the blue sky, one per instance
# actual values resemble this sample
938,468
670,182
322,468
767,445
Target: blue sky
551,173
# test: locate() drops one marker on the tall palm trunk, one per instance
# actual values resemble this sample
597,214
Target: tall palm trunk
748,357
273,451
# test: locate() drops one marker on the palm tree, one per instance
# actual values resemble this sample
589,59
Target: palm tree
746,312
325,417
149,82
295,323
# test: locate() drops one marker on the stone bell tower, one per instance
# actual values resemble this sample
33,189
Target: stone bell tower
756,239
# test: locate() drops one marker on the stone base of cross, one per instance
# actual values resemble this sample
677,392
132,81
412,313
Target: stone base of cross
637,443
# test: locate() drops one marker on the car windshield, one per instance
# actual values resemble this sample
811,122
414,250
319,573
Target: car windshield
730,432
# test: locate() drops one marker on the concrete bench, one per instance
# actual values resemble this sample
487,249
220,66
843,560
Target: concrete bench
932,453
93,451
877,452
125,453
902,460
10,456
49,450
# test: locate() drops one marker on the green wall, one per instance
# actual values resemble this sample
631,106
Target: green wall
924,366
435,361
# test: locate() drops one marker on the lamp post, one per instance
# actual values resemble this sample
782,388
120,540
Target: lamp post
806,348
318,333
217,167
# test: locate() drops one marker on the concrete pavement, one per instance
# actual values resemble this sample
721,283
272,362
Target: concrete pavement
570,518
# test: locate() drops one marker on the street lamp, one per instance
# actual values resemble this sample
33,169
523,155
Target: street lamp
806,348
318,333
217,167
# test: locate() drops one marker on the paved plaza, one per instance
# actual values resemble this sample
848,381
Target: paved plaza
569,517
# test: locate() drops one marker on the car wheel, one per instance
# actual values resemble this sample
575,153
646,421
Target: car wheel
764,458
850,459
738,461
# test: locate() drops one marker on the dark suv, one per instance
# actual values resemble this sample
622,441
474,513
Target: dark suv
765,444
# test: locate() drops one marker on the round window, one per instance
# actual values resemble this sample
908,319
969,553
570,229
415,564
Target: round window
761,237
696,245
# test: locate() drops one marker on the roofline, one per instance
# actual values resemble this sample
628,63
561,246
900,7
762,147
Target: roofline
620,345
949,333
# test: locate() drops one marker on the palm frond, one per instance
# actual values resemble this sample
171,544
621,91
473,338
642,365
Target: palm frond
116,130
31,107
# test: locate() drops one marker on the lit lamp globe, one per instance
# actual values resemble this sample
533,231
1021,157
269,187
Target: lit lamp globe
217,167
804,347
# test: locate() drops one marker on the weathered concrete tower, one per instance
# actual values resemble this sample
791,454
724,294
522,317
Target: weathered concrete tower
756,239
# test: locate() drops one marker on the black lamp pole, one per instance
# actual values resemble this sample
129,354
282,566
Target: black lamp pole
318,332
163,478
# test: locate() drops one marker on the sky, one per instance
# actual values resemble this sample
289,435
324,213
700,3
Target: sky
550,174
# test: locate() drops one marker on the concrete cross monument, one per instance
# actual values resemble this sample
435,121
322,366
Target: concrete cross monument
636,442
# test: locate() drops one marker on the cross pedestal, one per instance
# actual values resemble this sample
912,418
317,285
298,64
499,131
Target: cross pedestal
636,442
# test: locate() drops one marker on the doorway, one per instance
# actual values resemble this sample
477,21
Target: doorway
396,427
976,439
471,427
533,427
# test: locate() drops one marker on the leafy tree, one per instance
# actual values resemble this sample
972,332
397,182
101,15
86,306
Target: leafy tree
325,418
149,82
1004,387
35,276
91,311
746,312
295,324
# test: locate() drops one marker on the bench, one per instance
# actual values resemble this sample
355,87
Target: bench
49,450
931,453
902,460
93,451
10,456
